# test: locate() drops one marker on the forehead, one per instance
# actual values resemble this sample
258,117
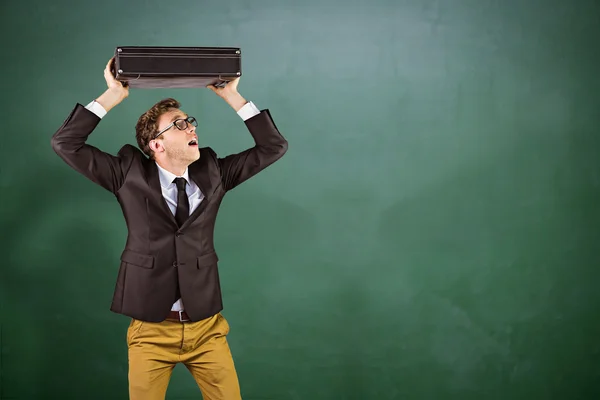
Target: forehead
170,116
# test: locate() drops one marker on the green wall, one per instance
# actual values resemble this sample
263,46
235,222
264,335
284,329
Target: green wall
432,233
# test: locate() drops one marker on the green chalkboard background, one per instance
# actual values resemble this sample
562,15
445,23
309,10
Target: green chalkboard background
432,233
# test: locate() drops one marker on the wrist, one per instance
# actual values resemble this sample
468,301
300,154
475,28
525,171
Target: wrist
110,98
236,101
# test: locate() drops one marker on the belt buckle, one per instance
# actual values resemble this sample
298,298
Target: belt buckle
180,312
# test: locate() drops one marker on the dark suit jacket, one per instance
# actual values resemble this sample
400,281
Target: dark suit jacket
158,253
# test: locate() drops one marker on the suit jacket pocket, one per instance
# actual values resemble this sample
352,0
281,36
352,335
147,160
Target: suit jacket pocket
141,260
208,259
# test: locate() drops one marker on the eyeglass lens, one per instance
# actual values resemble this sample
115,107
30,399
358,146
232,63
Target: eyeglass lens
183,123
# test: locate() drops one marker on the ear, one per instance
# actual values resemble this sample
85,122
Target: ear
156,146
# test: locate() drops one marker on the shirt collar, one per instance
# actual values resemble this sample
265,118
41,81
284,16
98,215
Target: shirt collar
166,177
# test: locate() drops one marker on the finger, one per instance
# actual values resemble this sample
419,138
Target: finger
109,63
108,73
234,82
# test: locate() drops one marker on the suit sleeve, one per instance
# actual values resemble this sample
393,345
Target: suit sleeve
269,147
69,142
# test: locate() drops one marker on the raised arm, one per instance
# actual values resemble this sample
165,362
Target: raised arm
269,146
69,141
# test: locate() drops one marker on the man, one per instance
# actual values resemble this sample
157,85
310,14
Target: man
168,280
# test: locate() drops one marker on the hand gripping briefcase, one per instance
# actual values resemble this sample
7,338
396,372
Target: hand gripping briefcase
176,67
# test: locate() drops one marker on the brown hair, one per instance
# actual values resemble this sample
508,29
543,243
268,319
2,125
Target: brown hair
147,125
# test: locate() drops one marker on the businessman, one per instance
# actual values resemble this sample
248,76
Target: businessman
170,190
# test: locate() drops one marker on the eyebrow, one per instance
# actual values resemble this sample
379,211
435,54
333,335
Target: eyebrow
178,117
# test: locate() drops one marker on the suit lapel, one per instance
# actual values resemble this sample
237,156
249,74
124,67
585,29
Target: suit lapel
154,183
198,172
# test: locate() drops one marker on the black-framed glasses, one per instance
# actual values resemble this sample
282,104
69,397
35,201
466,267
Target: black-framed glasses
181,124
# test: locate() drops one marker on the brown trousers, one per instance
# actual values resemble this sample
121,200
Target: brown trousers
155,348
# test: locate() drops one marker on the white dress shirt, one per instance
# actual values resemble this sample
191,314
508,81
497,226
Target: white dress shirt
168,187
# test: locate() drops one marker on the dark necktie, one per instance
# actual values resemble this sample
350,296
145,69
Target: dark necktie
182,212
183,206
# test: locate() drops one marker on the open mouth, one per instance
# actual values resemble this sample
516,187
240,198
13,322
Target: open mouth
193,143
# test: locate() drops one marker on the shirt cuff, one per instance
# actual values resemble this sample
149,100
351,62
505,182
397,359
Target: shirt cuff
248,111
96,108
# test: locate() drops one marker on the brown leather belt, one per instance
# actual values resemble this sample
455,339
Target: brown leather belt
179,316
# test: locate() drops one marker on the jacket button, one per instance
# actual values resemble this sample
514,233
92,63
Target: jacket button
175,264
178,233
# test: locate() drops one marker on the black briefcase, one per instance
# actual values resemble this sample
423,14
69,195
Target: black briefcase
176,67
